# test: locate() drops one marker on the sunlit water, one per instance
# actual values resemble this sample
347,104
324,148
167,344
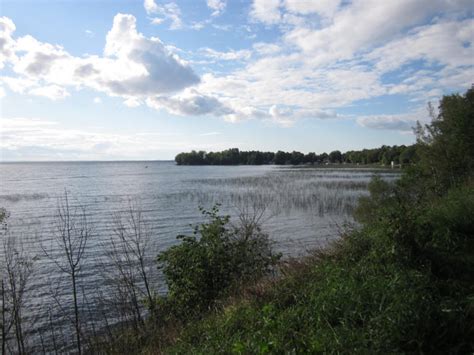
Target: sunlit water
304,208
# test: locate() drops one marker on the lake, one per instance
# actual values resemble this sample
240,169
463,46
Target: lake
303,208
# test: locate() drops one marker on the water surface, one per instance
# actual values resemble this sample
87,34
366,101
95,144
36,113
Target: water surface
304,208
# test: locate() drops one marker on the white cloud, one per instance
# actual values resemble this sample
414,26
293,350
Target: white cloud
150,6
266,49
19,85
330,54
402,122
322,7
229,55
97,100
341,59
157,21
53,92
365,24
133,66
222,27
266,11
191,103
132,102
453,39
217,6
166,12
7,52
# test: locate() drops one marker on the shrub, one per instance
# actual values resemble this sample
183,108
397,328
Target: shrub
216,257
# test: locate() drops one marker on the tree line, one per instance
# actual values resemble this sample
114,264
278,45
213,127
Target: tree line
385,155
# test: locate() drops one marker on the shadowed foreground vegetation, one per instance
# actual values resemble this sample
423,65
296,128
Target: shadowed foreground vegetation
401,283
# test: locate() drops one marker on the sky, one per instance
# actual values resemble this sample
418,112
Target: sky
131,80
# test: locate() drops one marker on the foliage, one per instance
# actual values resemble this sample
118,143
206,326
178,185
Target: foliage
216,257
446,146
383,155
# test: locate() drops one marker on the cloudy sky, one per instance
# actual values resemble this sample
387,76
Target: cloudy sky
112,79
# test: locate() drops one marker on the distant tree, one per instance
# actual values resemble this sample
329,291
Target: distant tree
323,158
335,156
281,158
310,158
296,158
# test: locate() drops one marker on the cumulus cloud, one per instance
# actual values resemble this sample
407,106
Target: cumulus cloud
153,69
133,66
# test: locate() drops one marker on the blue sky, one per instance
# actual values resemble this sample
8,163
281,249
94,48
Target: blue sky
104,80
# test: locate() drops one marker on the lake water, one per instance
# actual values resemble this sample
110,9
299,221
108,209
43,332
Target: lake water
304,208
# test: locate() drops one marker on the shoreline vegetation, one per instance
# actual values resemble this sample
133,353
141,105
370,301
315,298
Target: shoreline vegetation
402,281
384,156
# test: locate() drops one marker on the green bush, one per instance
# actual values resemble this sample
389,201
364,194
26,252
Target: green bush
217,256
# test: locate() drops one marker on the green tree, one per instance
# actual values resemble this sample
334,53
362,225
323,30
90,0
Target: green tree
335,156
446,145
281,158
